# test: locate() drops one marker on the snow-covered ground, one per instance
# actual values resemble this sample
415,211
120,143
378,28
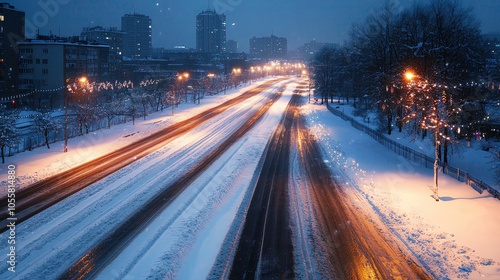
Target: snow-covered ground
454,238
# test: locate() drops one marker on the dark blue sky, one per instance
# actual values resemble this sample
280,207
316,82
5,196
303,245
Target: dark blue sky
174,20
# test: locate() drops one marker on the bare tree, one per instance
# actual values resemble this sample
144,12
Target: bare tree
8,131
445,52
44,123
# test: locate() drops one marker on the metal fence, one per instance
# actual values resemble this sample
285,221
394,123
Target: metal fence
29,140
418,157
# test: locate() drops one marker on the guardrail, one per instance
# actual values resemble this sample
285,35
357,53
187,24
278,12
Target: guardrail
418,157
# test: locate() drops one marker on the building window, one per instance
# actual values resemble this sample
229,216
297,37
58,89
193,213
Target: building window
2,17
26,71
26,61
37,61
45,50
45,61
45,71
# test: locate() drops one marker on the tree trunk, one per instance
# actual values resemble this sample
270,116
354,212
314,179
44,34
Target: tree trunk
445,152
400,118
46,134
3,154
389,122
436,163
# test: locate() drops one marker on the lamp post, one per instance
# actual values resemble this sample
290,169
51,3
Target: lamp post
431,119
83,80
180,79
66,118
309,89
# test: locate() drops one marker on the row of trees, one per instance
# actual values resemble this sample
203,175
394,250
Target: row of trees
425,68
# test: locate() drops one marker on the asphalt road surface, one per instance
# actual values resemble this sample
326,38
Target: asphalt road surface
265,248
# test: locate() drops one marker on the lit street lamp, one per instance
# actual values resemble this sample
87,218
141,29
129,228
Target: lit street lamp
180,79
409,75
430,118
83,81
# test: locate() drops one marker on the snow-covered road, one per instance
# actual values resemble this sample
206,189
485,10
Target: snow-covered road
51,241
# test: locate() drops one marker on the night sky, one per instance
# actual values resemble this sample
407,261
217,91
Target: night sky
300,21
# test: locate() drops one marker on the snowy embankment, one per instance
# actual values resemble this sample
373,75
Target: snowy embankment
51,241
456,238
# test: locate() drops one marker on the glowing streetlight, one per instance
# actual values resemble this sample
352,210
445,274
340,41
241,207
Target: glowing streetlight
409,75
83,80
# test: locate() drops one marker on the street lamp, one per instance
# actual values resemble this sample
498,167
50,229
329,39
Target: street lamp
180,78
83,80
409,75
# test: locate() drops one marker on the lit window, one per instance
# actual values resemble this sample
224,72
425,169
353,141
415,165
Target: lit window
2,18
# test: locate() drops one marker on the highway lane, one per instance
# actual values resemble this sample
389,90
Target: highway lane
47,192
265,249
356,249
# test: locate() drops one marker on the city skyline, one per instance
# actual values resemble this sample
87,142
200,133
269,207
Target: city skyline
174,23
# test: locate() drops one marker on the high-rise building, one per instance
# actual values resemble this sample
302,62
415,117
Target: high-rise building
309,50
231,46
210,32
137,42
492,41
268,47
48,64
492,45
114,39
11,32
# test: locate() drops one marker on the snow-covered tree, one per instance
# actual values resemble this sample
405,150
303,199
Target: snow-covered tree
44,123
112,109
326,66
8,131
377,47
200,87
142,99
